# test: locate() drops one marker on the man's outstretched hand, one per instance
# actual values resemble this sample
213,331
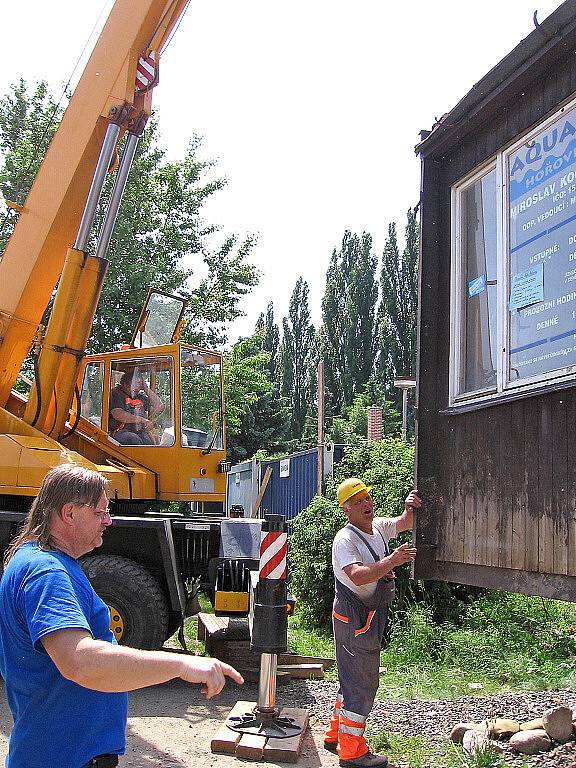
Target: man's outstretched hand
211,672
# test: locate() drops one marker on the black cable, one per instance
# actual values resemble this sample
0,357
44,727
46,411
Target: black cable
38,392
78,414
167,43
55,412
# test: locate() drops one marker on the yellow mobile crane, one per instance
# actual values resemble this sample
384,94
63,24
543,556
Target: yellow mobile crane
148,561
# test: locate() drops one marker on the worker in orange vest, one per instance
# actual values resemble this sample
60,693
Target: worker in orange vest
364,583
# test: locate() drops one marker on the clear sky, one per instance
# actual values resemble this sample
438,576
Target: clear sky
312,108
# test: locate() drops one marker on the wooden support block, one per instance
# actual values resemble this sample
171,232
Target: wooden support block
288,750
250,747
213,623
225,739
295,658
303,671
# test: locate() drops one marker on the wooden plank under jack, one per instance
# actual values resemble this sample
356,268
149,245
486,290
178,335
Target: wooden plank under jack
225,740
288,750
303,671
251,747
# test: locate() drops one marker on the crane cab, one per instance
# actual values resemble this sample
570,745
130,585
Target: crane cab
159,404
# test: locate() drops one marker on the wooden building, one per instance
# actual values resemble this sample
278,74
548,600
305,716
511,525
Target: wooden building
496,415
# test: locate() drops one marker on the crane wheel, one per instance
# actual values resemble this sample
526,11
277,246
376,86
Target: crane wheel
137,604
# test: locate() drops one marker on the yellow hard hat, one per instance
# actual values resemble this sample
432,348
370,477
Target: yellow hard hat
349,488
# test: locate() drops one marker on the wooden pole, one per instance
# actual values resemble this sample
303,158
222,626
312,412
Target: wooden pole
320,441
261,492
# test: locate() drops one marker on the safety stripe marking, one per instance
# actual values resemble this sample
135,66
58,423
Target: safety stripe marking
272,542
366,626
350,730
273,552
275,567
145,71
340,617
337,706
353,717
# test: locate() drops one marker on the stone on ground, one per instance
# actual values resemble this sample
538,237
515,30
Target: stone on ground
558,723
457,733
532,725
474,741
530,742
502,727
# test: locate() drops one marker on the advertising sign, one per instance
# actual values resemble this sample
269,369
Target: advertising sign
542,243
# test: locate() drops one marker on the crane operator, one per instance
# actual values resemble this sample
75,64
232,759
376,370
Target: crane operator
133,406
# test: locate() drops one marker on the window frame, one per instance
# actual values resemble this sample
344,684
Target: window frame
504,385
102,363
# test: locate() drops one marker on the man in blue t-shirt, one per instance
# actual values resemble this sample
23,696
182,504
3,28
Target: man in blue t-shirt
65,676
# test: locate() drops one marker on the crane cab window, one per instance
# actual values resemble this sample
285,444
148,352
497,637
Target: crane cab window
91,395
140,407
201,387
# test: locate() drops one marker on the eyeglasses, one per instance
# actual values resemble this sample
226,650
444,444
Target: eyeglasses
102,513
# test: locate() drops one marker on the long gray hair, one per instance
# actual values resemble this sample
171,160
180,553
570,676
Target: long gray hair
65,484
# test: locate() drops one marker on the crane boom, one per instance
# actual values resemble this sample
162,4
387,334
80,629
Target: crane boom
34,256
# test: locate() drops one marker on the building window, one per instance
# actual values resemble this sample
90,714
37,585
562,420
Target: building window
477,250
514,266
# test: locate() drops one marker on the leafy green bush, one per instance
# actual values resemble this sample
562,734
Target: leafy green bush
387,466
311,559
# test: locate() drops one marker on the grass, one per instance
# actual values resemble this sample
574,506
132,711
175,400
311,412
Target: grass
504,642
417,752
413,751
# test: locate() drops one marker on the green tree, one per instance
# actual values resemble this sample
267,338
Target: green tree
295,353
253,420
352,426
159,226
348,334
266,326
264,419
27,123
397,316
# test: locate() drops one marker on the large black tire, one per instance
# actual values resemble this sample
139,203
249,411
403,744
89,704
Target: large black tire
138,606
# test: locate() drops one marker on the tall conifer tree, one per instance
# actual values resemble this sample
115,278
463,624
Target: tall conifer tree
270,333
348,336
296,349
397,316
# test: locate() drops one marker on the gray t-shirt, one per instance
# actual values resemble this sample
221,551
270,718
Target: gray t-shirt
348,548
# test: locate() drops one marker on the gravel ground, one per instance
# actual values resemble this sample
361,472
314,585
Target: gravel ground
434,719
170,726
